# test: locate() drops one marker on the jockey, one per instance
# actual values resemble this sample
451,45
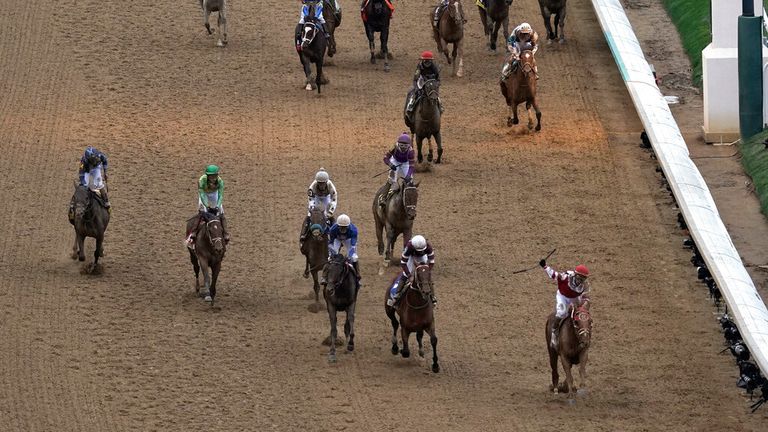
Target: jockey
321,194
572,289
417,251
441,7
210,194
401,162
93,172
425,70
344,233
318,16
522,38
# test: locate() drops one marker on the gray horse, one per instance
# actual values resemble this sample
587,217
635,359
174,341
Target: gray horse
450,29
493,17
208,252
396,217
315,249
426,120
220,6
90,219
340,293
556,8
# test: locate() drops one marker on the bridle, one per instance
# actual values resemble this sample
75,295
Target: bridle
416,286
431,91
344,271
458,17
526,67
310,28
579,315
215,241
408,207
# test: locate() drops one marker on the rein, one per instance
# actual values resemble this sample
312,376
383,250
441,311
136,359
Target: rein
424,295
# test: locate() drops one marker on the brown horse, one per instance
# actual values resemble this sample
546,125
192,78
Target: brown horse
519,87
208,252
450,29
416,315
395,218
315,249
376,15
572,348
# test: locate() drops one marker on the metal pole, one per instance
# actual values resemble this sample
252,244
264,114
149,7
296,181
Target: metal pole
747,8
750,51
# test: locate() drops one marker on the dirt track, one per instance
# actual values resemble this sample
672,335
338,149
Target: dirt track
134,349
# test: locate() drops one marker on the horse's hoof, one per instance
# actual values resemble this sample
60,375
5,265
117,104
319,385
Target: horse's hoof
81,258
509,121
386,67
530,126
306,275
538,128
208,299
373,59
460,74
331,358
350,347
405,353
435,368
515,121
219,43
421,353
549,41
389,56
395,349
74,255
308,87
561,41
439,160
420,158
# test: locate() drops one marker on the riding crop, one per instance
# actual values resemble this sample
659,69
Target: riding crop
388,170
529,269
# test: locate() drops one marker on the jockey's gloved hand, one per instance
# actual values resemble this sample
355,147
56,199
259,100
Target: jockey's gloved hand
392,167
543,263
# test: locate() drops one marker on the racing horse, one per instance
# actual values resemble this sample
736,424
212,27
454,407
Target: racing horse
311,47
416,314
450,29
572,347
494,16
556,8
208,251
90,218
315,249
425,123
376,15
519,87
340,293
395,217
220,6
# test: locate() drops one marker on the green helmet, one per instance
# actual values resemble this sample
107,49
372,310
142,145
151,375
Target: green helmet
211,170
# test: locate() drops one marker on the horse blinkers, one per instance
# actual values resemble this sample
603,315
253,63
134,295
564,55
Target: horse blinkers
308,34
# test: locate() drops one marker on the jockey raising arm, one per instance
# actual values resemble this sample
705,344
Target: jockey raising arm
572,289
418,251
344,233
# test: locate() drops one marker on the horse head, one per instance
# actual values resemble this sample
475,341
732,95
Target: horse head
422,280
82,200
215,233
335,272
317,223
582,324
431,90
308,32
456,12
410,198
527,63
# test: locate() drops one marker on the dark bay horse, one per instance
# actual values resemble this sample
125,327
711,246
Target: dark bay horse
426,120
315,249
208,252
572,348
556,8
496,15
416,315
90,219
311,47
395,218
332,22
450,29
519,87
220,6
340,293
376,15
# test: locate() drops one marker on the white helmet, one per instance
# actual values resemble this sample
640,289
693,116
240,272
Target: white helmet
321,176
343,221
525,28
419,242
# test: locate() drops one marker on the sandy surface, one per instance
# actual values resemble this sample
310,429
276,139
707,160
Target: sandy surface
134,349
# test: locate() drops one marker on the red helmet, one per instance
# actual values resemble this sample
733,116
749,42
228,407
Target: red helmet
426,55
581,270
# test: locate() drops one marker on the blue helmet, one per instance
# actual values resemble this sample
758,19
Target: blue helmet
89,152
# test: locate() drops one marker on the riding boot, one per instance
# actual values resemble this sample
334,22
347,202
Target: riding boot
536,71
555,332
223,220
104,197
357,272
400,288
384,197
304,230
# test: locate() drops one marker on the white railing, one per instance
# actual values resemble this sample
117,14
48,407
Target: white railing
696,204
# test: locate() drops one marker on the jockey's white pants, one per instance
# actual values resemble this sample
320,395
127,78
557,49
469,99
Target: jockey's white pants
400,172
94,178
323,203
562,302
351,250
213,198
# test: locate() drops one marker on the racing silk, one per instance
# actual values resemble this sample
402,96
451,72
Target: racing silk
428,73
565,284
406,157
335,234
318,11
204,189
314,195
514,41
410,253
86,167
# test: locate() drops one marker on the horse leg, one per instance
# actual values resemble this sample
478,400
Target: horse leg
583,370
215,268
528,109
319,77
419,336
494,36
439,142
419,143
405,334
371,46
379,231
307,71
458,51
395,325
316,287
430,154
196,267
547,15
80,247
75,250
384,39
443,48
433,341
97,253
484,20
349,328
568,376
206,15
538,114
222,25
206,278
552,364
561,17
513,113
332,317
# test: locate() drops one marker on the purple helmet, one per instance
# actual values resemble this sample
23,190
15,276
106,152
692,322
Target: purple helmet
404,138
